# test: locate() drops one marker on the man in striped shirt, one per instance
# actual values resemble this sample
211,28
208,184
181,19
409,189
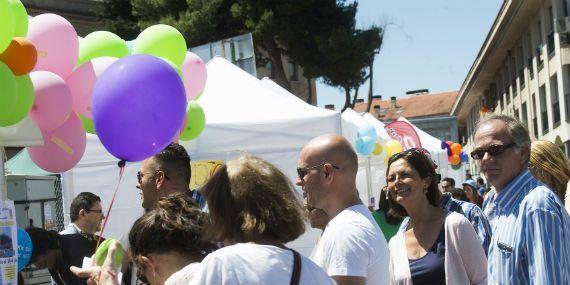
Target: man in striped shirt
530,241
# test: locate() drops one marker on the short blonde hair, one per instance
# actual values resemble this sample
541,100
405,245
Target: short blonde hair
549,165
249,199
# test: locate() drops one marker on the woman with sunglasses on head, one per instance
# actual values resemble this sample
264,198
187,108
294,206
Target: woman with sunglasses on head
254,210
166,243
549,165
436,247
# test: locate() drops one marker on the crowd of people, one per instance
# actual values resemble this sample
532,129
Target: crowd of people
513,229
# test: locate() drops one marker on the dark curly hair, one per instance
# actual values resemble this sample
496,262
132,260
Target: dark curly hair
420,161
176,224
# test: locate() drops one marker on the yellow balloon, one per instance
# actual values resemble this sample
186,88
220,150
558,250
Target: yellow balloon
377,149
393,147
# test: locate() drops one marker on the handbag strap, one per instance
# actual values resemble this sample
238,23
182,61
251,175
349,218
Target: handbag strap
296,275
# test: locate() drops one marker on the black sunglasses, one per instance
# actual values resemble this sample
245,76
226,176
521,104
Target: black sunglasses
302,171
492,150
94,211
141,174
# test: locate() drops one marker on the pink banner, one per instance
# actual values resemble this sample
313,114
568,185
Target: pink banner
404,133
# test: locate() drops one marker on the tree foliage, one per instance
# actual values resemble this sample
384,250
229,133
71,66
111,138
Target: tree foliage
320,35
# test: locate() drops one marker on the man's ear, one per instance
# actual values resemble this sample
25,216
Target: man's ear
82,213
159,179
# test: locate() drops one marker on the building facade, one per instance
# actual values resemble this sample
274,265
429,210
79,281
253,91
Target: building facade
523,70
429,112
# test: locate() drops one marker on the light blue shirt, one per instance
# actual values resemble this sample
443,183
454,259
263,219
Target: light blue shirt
530,243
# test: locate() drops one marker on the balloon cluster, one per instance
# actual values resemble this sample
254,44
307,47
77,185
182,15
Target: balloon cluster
367,143
455,153
17,58
141,95
135,99
366,139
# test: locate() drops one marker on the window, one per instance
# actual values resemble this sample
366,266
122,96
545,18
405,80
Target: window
539,60
515,91
534,117
554,101
516,114
543,109
524,117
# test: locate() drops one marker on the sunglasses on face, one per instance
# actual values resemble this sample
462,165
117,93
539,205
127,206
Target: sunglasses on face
302,171
492,150
140,175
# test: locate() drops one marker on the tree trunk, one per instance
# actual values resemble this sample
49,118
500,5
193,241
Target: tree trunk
346,98
370,89
355,97
310,99
277,64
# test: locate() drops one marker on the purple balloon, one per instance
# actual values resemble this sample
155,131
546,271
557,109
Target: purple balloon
138,106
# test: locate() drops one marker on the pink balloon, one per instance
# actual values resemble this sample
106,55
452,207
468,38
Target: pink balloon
57,44
82,80
194,72
52,104
63,147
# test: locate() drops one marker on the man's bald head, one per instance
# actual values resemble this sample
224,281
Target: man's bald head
334,149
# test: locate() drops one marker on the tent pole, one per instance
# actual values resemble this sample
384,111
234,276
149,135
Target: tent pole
3,184
369,182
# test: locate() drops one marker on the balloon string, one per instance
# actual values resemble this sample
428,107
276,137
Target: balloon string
121,171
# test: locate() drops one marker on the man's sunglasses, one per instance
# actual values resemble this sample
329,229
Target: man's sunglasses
302,171
141,174
492,150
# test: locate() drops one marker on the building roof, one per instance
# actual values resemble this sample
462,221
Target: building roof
413,106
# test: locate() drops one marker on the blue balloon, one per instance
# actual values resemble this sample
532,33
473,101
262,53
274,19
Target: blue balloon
24,248
464,157
367,130
130,45
365,145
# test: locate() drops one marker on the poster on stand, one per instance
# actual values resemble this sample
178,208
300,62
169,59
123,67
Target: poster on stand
8,244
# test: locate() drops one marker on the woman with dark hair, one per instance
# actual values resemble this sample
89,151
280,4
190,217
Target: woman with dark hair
254,210
437,247
389,222
166,243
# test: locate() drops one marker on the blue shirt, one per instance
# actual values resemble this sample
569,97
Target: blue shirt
471,211
531,234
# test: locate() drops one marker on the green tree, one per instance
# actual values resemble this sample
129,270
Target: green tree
117,17
320,35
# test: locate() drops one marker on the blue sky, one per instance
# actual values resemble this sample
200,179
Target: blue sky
427,44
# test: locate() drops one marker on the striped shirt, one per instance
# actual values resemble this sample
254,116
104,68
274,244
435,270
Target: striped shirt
531,234
471,211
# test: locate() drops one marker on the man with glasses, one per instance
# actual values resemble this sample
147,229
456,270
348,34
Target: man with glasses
352,249
530,227
86,214
165,173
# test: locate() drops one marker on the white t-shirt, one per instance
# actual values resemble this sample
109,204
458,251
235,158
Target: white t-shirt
183,276
353,245
256,264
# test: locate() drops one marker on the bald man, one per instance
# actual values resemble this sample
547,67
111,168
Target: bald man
352,249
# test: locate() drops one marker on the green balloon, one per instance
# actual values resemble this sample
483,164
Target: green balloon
7,27
24,101
8,93
99,44
101,253
20,18
161,41
87,124
196,121
175,68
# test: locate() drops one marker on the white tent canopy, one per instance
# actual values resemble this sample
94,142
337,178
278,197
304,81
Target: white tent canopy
241,115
